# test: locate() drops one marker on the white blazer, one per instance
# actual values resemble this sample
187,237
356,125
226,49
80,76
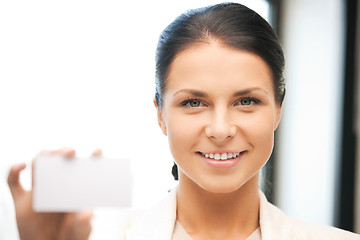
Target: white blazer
158,222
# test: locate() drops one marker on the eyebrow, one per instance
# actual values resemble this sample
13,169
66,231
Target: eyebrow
198,93
249,90
193,92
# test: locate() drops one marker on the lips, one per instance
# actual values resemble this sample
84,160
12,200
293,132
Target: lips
221,156
222,160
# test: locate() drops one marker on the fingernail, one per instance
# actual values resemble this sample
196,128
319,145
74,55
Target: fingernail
20,165
67,152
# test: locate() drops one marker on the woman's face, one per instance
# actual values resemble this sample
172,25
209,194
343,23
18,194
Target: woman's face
219,113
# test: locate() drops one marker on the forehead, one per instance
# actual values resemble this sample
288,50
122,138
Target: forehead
215,66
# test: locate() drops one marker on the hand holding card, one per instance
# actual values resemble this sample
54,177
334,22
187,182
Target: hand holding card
45,225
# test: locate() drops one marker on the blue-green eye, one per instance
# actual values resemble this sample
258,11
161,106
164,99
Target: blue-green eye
246,101
194,103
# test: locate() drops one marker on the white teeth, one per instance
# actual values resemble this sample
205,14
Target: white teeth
221,156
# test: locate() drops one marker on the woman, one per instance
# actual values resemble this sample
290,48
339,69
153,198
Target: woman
219,92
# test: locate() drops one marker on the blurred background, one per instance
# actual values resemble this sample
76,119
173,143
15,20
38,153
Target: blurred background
81,74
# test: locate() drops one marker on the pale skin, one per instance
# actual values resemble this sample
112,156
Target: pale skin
44,226
219,100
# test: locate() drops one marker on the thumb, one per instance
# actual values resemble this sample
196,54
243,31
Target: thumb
77,226
14,180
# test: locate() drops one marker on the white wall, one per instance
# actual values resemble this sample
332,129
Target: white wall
309,146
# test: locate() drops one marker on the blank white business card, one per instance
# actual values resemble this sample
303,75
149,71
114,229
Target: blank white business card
73,184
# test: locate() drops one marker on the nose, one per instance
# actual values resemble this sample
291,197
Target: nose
220,128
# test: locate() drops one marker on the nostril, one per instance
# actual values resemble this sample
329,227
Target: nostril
221,138
228,138
220,134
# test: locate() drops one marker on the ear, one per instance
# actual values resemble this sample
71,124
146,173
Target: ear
277,117
161,122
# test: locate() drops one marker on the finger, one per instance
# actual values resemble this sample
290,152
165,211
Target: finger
82,224
97,153
84,217
65,152
14,180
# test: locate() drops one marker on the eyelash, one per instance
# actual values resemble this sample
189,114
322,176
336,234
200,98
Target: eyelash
253,100
188,101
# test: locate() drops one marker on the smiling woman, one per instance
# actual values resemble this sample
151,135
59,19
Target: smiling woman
219,101
219,94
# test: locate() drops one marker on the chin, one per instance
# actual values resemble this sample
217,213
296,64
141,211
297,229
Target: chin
229,184
220,187
221,190
224,184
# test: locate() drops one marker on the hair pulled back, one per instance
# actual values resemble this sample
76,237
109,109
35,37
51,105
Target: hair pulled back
235,26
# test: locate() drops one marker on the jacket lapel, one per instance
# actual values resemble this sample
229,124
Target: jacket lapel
274,224
157,222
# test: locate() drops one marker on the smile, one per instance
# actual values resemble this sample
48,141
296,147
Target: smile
220,156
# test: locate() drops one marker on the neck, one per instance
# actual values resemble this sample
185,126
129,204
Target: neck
207,215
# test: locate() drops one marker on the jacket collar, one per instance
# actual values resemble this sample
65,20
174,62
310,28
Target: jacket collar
158,222
272,220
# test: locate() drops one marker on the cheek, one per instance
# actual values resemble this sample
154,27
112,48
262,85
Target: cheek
183,131
259,131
